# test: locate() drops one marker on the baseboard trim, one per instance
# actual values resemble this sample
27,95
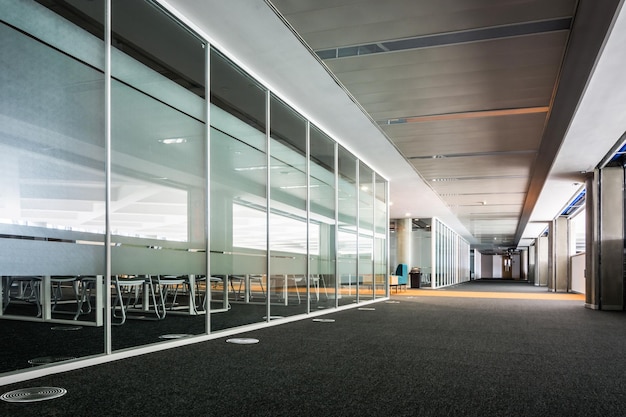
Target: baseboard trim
612,307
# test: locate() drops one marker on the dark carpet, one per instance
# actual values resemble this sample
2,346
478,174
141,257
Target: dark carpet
418,356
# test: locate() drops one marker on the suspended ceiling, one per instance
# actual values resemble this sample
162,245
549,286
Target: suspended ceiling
476,95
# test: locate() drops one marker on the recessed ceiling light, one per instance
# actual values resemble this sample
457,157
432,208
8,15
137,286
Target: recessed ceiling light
407,214
171,141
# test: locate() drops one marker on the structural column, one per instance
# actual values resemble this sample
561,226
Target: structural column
605,239
403,232
559,255
541,261
532,263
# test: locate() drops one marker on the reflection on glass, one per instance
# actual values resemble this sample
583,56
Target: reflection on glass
380,236
347,227
238,197
366,232
322,225
288,280
52,185
158,178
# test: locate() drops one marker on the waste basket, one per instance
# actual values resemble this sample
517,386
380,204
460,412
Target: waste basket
416,279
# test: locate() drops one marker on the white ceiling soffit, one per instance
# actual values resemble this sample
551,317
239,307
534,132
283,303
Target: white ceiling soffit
599,122
279,60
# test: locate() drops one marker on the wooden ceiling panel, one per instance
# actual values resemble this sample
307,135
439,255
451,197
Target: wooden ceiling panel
492,186
327,24
474,166
489,54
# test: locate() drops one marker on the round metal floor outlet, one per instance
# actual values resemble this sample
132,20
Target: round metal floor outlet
274,317
324,320
66,328
175,336
367,308
243,341
31,395
392,302
45,360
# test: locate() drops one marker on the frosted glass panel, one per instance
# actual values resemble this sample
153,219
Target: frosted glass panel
158,176
52,188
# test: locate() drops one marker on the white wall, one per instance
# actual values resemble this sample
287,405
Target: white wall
486,266
496,270
516,266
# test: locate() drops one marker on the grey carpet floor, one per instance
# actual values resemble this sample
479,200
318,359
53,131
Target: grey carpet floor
414,356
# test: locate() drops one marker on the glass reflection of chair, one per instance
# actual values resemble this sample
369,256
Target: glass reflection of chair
245,282
316,279
201,295
25,289
135,288
167,285
60,284
86,286
276,280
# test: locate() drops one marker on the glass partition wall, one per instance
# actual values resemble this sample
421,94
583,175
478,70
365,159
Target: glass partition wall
381,223
158,175
238,194
366,233
154,190
347,215
52,190
450,256
322,221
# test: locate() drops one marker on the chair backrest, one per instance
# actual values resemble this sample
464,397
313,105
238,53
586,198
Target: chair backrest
402,270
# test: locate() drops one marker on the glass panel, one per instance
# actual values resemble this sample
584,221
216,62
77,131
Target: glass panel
366,232
322,219
422,251
158,176
238,196
380,237
52,186
347,230
288,219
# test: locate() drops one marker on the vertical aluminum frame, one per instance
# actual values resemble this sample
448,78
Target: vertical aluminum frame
336,226
307,276
207,214
107,168
268,201
358,229
387,235
373,260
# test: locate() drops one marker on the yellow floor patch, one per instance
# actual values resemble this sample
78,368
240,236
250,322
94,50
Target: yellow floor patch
480,294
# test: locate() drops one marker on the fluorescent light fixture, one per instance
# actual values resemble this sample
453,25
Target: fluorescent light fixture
172,141
258,168
291,187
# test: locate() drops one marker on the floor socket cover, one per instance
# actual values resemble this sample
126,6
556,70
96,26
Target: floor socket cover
49,359
66,328
243,341
175,336
31,395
